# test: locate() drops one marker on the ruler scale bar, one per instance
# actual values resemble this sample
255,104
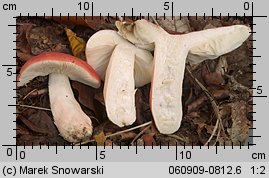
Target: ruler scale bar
167,153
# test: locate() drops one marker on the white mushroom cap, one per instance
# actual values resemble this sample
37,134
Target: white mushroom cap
73,124
99,49
216,42
213,42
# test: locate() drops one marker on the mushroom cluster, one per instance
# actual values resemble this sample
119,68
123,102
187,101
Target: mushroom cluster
122,66
125,60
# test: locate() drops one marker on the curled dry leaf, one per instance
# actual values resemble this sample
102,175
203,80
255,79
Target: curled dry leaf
77,44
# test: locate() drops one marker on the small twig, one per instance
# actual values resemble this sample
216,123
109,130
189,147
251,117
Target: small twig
29,94
35,107
120,132
177,137
128,130
213,103
218,134
154,20
92,117
140,133
35,92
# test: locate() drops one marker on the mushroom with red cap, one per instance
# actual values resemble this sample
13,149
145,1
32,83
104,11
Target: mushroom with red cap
73,124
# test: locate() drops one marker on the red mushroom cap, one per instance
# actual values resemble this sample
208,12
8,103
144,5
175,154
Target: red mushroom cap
54,62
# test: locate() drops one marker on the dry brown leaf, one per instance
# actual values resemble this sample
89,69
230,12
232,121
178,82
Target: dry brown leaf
175,25
240,123
214,79
99,95
198,23
24,49
139,104
85,95
217,94
128,135
100,139
148,140
71,20
47,39
38,122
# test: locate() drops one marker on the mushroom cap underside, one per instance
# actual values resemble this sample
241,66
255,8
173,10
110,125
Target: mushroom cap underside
100,47
54,62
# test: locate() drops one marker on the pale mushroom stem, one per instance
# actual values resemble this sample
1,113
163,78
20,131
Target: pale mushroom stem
119,89
75,126
166,85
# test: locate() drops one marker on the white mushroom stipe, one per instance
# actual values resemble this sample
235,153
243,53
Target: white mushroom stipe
169,62
73,124
119,89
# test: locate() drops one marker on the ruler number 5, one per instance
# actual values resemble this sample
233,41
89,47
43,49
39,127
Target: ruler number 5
259,89
9,71
166,6
102,154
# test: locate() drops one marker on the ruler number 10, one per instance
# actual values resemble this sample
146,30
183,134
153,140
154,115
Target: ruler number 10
84,6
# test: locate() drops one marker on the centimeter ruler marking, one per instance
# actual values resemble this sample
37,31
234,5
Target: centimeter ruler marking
79,147
132,13
97,148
